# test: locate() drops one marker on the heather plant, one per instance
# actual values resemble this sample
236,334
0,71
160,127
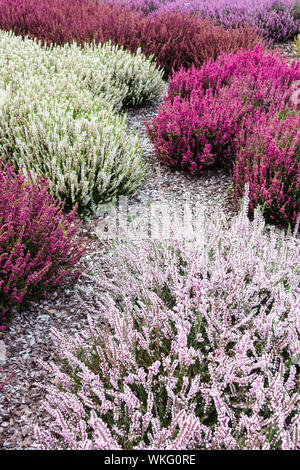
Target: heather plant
58,118
181,40
38,245
206,109
268,161
173,39
54,21
105,71
198,347
202,131
278,20
88,160
297,43
124,78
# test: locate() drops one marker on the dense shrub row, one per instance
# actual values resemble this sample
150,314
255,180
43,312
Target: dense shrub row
197,349
275,19
210,114
38,245
174,39
58,116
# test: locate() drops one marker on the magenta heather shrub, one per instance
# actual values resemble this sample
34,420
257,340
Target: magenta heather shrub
261,64
174,39
205,111
38,248
197,348
269,162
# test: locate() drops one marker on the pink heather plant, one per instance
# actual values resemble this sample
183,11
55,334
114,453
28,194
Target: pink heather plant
197,348
38,248
200,132
269,162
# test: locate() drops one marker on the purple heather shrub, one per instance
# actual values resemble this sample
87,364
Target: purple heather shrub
269,163
38,244
198,347
275,19
205,110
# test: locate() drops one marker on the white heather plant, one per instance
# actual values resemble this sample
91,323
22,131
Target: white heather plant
59,116
197,348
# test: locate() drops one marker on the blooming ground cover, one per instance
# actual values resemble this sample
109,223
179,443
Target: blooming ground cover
173,39
276,19
193,345
38,244
58,116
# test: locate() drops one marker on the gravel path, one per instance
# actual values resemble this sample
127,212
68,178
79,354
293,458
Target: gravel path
27,339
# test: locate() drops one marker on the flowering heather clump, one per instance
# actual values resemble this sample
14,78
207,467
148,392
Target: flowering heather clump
269,162
119,76
177,39
206,109
297,42
260,64
198,348
276,19
202,131
38,249
106,72
173,39
58,116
